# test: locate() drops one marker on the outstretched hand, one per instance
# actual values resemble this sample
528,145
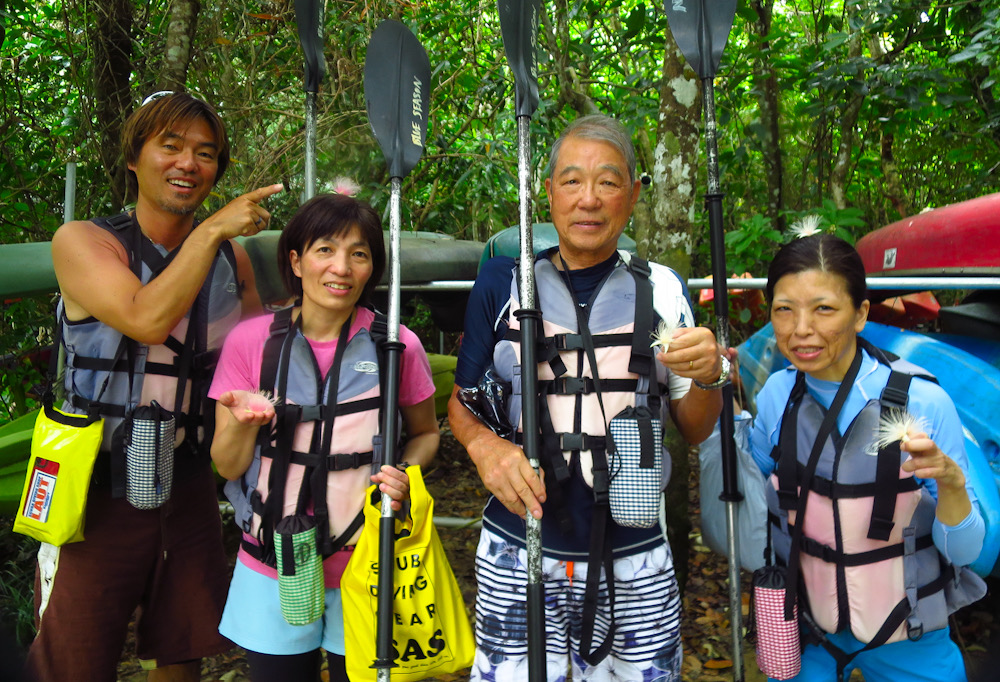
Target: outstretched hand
248,408
244,216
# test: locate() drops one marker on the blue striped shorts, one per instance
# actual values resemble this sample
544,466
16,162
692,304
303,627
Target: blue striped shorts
647,642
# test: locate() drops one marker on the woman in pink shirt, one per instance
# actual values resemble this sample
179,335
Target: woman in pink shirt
310,376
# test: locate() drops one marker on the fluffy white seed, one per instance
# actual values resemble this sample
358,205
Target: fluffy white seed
896,426
258,401
806,227
664,334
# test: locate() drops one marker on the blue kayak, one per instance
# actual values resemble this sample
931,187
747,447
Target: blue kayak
968,369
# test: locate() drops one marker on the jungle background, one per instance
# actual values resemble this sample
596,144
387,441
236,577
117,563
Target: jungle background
859,111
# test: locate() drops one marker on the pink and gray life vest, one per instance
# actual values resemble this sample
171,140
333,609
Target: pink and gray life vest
176,373
573,419
865,553
318,455
575,406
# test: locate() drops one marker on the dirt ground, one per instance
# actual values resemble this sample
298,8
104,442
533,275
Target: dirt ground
458,492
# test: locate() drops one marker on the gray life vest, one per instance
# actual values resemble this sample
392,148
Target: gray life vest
324,441
97,353
614,332
866,554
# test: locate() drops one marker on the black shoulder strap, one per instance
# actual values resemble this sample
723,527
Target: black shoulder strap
894,397
641,361
280,326
280,332
786,466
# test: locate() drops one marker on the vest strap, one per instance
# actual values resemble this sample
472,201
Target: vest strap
894,397
833,556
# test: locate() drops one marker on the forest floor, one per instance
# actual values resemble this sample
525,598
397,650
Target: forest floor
458,492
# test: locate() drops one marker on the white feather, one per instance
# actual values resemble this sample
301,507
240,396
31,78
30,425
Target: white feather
664,334
896,426
806,227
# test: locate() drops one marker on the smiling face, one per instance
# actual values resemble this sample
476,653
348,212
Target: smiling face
591,200
176,169
334,271
816,324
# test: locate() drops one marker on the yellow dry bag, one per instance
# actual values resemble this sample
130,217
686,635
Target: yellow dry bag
54,499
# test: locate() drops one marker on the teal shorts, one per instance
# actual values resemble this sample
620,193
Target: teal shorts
253,620
932,658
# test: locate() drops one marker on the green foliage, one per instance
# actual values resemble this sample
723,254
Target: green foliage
754,242
17,577
919,75
26,332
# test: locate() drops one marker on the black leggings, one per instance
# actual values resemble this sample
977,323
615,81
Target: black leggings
276,668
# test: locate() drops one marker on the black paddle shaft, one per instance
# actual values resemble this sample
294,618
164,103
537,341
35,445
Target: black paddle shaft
397,91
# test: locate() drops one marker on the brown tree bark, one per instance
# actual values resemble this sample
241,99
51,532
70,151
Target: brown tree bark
177,51
892,182
112,68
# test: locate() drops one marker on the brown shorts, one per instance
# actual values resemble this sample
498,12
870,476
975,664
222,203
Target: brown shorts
167,565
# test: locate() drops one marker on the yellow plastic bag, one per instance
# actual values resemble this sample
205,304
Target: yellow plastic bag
54,499
431,632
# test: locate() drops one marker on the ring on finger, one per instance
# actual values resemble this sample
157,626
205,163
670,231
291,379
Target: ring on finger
257,221
690,364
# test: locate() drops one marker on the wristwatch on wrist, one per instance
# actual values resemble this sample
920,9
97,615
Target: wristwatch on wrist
721,381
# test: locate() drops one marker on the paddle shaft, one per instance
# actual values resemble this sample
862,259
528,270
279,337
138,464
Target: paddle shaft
730,488
390,431
310,165
530,318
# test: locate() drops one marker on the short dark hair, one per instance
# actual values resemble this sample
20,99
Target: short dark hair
823,252
601,128
330,216
166,113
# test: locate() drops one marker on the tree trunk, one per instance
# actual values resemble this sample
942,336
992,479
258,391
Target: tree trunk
177,51
112,68
667,236
892,183
767,100
840,173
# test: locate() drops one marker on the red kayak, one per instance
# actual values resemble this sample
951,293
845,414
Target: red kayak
960,239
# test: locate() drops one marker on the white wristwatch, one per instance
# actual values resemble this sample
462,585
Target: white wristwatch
721,381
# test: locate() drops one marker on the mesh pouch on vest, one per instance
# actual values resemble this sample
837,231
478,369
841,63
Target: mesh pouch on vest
779,654
635,467
301,590
147,436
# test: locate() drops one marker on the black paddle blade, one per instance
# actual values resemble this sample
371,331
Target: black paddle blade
307,16
519,28
397,92
701,29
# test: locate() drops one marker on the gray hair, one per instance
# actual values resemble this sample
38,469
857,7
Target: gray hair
601,128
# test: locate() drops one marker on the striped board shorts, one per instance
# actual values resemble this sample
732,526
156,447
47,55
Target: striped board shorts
647,642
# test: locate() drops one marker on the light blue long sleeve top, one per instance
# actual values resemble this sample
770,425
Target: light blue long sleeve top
959,544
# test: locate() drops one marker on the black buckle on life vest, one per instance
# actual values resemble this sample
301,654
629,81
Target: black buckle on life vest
896,396
879,528
354,460
573,385
601,484
311,413
568,342
580,441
